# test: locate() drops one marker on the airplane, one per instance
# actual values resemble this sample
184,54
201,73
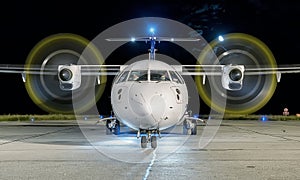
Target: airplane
236,73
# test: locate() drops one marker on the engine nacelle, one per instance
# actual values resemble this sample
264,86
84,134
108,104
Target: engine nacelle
232,77
69,77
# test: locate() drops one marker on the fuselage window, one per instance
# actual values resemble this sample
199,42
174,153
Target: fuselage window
157,75
123,77
175,77
140,75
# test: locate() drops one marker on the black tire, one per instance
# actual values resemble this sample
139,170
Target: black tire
194,129
143,142
108,130
153,142
184,128
117,129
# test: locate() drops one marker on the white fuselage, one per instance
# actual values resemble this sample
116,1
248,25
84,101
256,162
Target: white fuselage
149,94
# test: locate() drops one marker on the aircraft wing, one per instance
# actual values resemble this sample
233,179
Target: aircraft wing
86,70
98,70
290,68
22,69
212,70
219,70
193,70
62,71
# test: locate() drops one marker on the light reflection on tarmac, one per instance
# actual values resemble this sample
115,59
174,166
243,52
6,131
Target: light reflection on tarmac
240,150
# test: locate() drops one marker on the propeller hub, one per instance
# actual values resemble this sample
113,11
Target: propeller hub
235,74
65,74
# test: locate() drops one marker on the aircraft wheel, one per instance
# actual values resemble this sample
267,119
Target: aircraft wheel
117,129
194,129
108,130
143,141
185,128
153,142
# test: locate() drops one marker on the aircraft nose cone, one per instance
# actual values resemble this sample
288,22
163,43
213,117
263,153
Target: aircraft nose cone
147,103
139,105
158,107
149,111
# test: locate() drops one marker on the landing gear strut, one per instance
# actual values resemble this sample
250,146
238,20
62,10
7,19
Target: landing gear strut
149,137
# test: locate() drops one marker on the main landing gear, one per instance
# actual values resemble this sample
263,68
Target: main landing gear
190,127
112,127
148,137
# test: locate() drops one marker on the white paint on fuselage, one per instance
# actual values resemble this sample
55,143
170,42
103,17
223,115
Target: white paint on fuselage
149,104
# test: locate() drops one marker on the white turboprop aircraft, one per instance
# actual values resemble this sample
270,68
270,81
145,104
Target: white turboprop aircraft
150,95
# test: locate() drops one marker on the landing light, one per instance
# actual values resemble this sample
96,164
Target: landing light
32,119
263,118
152,30
132,39
221,38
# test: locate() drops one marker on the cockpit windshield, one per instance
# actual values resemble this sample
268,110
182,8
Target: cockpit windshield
155,75
122,77
141,75
158,75
176,77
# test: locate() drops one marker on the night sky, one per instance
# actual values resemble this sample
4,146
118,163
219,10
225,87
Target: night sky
25,23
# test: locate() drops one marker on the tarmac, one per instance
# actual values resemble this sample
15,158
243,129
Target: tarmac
235,149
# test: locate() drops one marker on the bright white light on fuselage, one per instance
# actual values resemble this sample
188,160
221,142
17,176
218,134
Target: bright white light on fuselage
221,38
132,39
152,30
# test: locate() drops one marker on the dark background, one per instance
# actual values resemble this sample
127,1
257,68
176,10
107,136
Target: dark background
25,23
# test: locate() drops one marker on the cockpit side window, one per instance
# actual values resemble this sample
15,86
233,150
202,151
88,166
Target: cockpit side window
123,77
175,77
140,75
134,75
157,75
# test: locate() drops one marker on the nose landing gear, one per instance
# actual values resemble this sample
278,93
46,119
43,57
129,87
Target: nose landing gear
148,137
